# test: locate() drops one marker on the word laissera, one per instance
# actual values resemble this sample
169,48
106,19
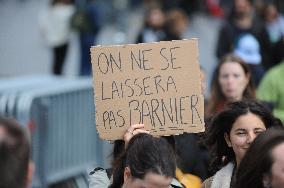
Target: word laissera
157,112
136,87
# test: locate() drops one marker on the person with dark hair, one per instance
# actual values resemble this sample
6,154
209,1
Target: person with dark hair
229,136
232,81
146,162
263,164
243,20
102,178
16,169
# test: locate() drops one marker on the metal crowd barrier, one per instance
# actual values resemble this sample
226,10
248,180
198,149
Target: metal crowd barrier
12,87
60,115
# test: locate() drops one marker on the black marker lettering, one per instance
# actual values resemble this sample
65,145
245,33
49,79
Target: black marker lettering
104,62
173,58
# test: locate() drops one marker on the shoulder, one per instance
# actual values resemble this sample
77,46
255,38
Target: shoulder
223,177
207,183
176,184
98,178
274,73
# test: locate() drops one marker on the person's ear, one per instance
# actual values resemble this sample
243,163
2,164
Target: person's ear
31,168
127,174
227,139
266,181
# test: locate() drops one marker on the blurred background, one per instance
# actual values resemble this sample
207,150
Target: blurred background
24,50
45,70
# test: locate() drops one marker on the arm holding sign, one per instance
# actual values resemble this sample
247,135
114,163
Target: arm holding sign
133,130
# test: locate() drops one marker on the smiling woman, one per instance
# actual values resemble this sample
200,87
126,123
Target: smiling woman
263,164
230,134
243,132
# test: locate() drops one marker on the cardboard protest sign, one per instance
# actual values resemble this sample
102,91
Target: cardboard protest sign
157,84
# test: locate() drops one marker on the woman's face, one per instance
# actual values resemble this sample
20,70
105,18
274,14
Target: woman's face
151,180
233,81
243,132
277,169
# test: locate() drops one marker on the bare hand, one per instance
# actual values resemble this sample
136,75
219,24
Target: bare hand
133,130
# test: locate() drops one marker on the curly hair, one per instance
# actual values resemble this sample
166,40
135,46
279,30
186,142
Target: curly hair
223,122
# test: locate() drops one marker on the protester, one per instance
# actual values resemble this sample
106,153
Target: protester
146,162
248,49
274,22
153,29
243,20
232,82
263,164
230,135
87,20
175,25
102,178
55,28
271,90
16,169
191,158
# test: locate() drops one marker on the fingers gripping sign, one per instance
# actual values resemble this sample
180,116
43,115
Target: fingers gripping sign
133,130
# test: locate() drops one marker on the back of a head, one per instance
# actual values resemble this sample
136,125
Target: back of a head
14,154
149,154
145,154
258,160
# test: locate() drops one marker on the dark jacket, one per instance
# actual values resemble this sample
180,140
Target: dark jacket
230,32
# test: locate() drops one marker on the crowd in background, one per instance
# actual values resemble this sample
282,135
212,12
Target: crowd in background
251,30
250,50
243,142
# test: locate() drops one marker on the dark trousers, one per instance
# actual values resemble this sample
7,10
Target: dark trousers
86,41
59,55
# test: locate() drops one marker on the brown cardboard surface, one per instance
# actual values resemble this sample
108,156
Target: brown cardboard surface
157,84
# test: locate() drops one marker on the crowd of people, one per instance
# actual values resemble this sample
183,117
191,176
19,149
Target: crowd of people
251,30
232,157
245,101
243,144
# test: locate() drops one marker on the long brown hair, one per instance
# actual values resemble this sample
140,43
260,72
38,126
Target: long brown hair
217,97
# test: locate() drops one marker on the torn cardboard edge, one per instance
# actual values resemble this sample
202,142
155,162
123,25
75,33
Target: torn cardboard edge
157,84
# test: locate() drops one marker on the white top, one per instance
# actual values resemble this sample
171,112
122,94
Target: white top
55,24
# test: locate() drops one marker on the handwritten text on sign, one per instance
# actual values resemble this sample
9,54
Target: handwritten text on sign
157,84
